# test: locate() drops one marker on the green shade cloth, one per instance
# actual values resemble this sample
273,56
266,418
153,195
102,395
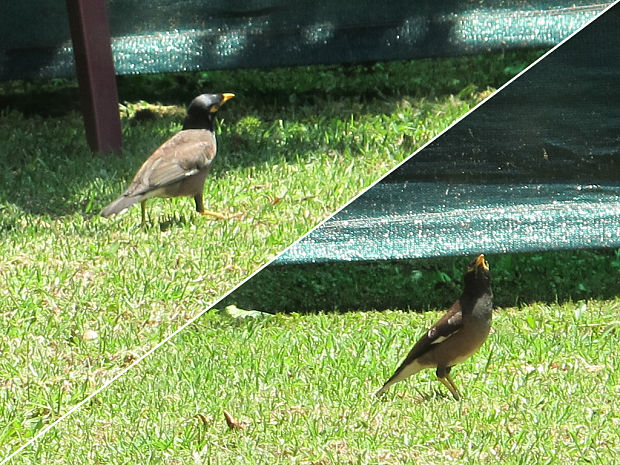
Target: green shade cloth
535,168
392,222
167,35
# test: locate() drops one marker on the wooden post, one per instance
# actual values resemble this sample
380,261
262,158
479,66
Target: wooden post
94,65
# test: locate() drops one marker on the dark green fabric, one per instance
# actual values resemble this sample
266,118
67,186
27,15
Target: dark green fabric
535,168
172,35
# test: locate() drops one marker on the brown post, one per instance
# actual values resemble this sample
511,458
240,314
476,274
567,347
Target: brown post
94,65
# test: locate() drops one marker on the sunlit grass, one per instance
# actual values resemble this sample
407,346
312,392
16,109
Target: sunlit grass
81,297
542,389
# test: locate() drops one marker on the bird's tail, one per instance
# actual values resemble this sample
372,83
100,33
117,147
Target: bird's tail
407,369
119,205
384,388
381,391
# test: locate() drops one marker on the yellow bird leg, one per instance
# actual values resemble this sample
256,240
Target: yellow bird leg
450,386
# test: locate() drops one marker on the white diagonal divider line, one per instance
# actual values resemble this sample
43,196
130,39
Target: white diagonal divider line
258,270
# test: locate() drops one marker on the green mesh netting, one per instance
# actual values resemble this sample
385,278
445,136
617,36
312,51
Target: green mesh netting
535,168
172,35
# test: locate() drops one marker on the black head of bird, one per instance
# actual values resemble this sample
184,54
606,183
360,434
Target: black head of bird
201,111
477,279
180,165
457,335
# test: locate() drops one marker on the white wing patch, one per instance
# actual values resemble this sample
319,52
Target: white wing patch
443,338
454,318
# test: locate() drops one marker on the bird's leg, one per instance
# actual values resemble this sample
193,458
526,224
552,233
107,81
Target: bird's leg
449,378
143,210
454,392
200,208
443,375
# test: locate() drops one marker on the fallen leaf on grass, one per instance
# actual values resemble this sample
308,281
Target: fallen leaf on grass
238,313
232,422
90,335
454,453
203,419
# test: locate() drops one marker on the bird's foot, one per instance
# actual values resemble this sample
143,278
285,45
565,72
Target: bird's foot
217,215
451,387
221,216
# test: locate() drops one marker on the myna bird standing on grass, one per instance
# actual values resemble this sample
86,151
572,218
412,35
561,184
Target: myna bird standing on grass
180,165
457,335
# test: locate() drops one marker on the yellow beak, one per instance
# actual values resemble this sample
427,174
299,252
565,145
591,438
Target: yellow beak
226,97
481,262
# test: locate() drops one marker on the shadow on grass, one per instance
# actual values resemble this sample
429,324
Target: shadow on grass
518,279
50,171
283,86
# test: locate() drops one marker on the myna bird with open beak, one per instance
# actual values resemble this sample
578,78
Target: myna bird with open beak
457,335
180,165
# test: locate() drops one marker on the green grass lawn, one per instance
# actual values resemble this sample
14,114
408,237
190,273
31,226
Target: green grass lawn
81,297
542,389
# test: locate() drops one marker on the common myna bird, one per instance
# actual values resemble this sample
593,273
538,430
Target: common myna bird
457,335
180,165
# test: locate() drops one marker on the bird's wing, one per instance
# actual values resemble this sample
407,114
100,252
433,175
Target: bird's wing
185,154
447,326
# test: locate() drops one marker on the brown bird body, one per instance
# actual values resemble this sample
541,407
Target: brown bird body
457,335
180,165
